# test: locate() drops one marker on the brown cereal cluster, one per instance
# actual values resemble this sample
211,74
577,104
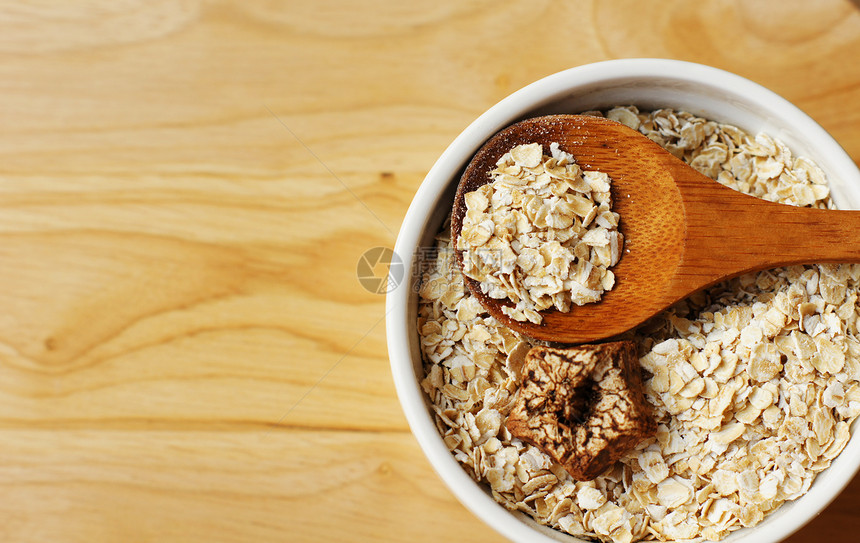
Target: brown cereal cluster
583,406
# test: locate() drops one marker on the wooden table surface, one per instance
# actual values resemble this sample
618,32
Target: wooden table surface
186,188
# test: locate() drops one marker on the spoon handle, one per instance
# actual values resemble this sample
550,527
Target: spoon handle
730,233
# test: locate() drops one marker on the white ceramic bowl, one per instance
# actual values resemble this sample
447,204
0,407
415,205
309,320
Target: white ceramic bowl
648,84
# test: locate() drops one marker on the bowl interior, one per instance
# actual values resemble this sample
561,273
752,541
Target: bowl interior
703,91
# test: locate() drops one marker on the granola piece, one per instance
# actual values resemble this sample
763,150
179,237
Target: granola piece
583,406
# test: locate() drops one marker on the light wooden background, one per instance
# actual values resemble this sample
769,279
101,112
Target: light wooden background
185,190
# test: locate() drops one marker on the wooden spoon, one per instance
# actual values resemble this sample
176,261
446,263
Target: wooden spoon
683,231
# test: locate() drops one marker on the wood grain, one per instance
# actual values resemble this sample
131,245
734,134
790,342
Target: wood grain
186,187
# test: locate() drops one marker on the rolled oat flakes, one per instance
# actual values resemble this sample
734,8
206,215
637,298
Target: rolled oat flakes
541,234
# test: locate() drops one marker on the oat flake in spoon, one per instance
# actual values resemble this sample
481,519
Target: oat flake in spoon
542,234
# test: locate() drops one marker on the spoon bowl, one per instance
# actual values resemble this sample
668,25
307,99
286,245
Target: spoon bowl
683,232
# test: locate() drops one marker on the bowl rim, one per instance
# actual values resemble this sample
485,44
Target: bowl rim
518,527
